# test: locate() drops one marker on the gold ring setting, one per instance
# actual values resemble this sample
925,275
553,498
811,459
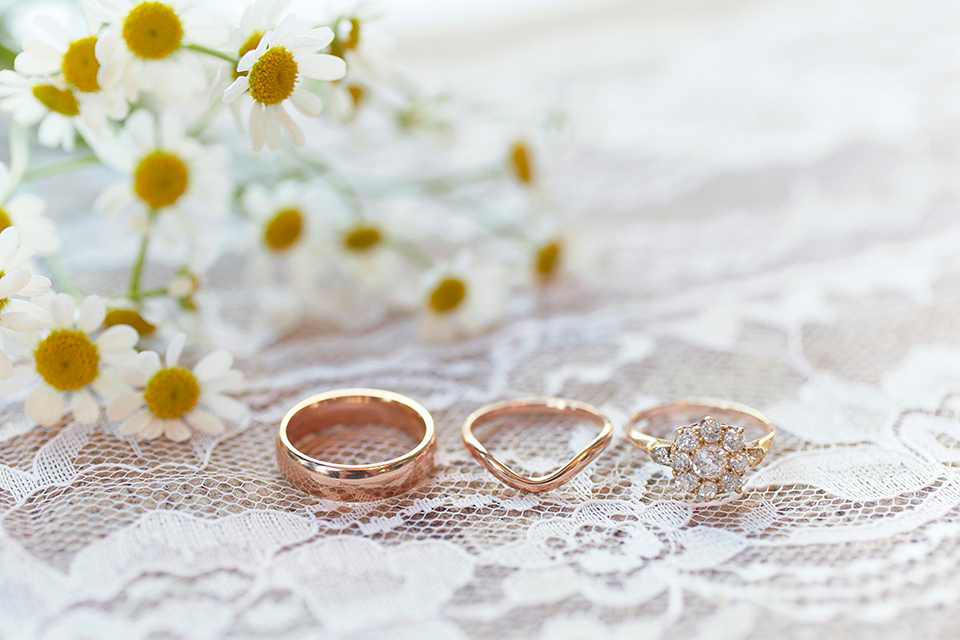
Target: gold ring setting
710,452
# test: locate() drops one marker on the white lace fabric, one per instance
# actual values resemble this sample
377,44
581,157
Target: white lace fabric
820,287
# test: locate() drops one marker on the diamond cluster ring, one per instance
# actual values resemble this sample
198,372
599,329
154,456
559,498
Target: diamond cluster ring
710,452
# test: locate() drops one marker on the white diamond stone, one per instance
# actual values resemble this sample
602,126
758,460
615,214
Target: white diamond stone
738,462
710,429
730,483
708,490
681,462
754,456
688,440
687,482
710,461
661,455
733,439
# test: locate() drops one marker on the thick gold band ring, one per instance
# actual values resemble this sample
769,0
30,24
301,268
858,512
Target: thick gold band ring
356,483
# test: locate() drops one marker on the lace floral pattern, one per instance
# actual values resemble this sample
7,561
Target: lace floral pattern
823,290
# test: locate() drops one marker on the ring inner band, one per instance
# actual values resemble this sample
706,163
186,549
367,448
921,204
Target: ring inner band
655,420
351,411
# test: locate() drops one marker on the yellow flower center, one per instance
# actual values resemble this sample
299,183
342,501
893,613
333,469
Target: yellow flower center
274,76
161,178
251,44
548,259
67,360
3,301
448,295
362,239
130,318
522,163
171,393
80,65
5,220
284,229
353,40
357,94
152,30
58,100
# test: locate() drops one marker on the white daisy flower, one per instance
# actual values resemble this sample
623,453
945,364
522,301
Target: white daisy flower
67,53
47,101
75,361
18,282
172,179
257,19
274,75
170,399
352,42
284,221
365,251
145,45
25,212
460,298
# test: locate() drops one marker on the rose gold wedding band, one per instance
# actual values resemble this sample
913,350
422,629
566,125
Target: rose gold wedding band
536,406
356,483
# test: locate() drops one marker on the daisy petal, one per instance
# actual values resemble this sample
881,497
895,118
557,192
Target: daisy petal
21,321
6,367
206,422
62,308
213,365
272,126
149,362
153,429
236,89
92,313
117,338
135,423
108,385
258,128
175,349
296,135
37,286
322,66
230,381
44,405
9,238
125,404
228,407
86,409
308,103
176,430
12,283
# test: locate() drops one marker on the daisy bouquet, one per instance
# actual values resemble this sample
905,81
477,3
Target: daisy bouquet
281,144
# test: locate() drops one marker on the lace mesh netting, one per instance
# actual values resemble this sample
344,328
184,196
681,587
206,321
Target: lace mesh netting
822,288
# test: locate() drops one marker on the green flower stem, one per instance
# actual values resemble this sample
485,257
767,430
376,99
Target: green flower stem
19,139
155,293
6,56
61,166
137,276
212,52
